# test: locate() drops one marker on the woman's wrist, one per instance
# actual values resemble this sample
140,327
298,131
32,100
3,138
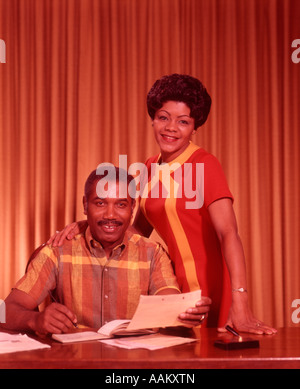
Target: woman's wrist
240,290
239,296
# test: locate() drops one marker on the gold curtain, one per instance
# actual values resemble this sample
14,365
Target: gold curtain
72,95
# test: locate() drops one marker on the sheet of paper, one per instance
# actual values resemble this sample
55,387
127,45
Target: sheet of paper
150,342
109,327
78,337
11,343
162,310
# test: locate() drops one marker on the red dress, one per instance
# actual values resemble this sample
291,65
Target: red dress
185,226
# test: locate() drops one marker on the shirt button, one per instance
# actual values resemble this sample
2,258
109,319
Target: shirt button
106,297
105,269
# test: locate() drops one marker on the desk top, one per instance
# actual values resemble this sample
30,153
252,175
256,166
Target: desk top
280,351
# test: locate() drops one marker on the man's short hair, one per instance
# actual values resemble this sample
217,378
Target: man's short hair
120,175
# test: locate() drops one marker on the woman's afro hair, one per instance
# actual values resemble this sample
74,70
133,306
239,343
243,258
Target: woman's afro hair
181,88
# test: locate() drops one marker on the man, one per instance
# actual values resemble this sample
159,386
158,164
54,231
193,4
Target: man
100,274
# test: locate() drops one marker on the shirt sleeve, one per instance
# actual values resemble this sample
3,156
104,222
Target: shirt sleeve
162,275
40,277
215,182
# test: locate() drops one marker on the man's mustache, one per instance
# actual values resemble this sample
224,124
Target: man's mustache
109,222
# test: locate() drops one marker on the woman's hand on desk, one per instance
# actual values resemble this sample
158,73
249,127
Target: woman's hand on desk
194,316
242,319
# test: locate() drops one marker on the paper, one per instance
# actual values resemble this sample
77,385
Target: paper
11,343
78,337
120,327
114,327
149,342
162,310
152,312
110,328
106,331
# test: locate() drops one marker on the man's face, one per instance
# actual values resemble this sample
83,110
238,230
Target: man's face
108,215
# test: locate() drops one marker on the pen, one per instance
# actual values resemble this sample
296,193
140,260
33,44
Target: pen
234,332
55,301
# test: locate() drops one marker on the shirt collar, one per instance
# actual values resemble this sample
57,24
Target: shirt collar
94,244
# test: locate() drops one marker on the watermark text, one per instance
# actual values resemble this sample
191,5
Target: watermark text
2,51
296,312
174,180
296,53
2,312
153,378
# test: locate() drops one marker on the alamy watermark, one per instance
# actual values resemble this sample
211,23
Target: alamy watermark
2,51
296,53
165,180
296,312
2,312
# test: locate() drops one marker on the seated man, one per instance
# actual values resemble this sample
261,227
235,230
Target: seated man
100,274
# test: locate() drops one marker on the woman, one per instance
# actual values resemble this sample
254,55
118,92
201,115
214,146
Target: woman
201,231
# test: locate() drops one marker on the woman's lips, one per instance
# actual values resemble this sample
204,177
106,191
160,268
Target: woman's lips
169,138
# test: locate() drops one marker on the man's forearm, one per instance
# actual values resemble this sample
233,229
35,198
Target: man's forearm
19,319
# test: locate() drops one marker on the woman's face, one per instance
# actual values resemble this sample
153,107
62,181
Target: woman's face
173,127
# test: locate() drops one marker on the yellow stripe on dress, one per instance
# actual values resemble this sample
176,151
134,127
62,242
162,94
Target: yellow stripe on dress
181,238
175,223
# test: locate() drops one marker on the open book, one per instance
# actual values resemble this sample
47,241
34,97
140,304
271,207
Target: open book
107,331
153,312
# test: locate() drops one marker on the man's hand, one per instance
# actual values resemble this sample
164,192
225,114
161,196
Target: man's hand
55,319
22,315
194,316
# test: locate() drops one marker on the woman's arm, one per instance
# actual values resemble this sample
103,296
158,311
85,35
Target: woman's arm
67,232
223,218
141,224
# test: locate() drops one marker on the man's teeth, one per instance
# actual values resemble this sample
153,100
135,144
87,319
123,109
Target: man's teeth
109,226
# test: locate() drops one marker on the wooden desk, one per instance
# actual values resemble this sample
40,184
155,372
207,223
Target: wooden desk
280,351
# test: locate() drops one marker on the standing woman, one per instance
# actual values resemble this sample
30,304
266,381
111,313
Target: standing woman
203,240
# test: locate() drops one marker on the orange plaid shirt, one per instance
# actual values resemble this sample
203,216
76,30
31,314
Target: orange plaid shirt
96,288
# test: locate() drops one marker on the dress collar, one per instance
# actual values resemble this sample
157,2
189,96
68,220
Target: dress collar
184,156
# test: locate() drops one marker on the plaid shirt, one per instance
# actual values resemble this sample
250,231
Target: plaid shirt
96,288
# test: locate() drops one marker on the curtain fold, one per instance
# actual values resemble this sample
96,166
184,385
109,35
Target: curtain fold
73,94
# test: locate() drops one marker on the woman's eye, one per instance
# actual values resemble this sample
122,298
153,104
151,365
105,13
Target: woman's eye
163,118
184,122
